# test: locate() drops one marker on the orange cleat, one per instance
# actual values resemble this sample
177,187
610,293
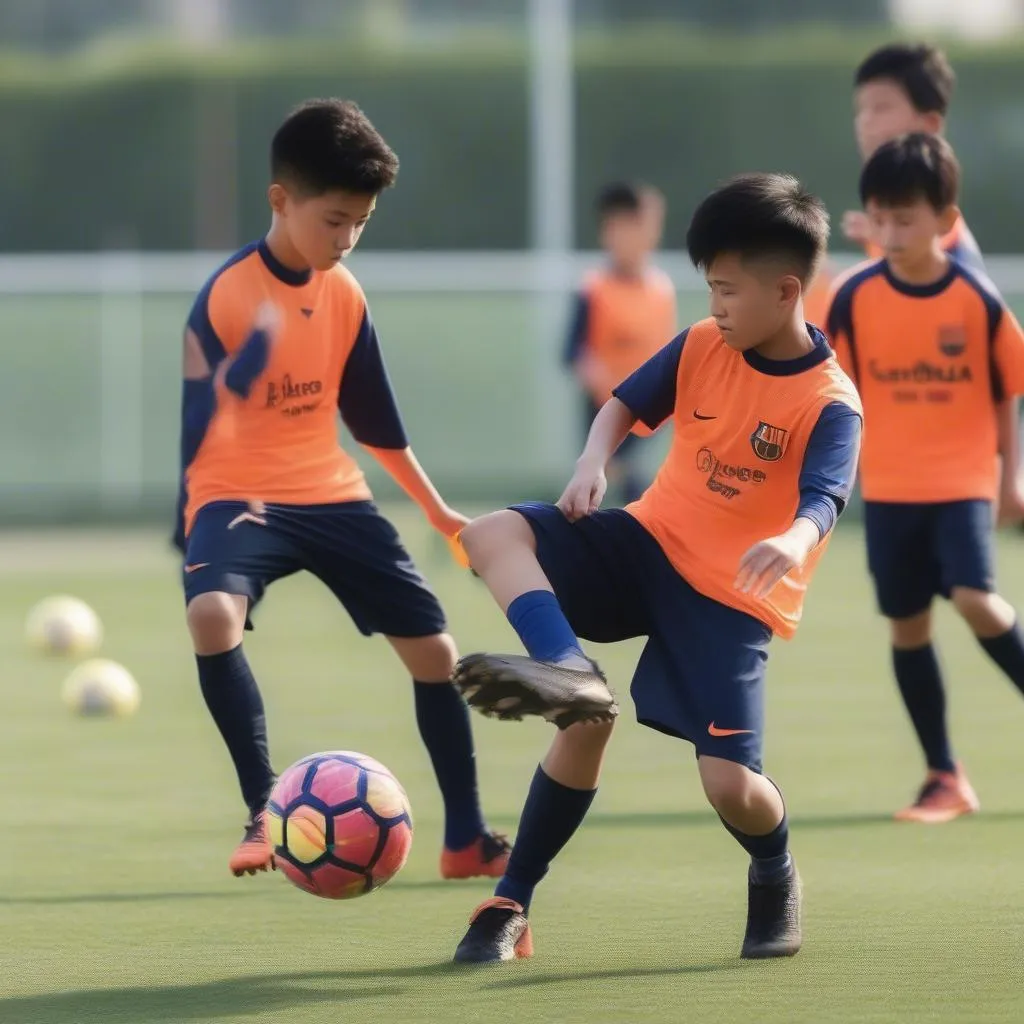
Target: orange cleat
498,930
485,857
943,797
254,853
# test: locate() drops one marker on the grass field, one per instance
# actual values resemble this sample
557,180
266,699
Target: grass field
116,904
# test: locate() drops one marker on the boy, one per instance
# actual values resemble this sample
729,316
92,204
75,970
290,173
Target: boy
907,87
279,340
623,313
932,349
713,559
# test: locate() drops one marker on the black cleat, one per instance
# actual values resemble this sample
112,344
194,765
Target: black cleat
509,686
773,918
498,930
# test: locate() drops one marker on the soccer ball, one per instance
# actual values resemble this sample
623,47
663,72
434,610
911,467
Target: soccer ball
63,625
340,824
101,687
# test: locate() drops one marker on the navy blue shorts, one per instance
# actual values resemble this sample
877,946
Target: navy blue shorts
349,546
701,675
919,551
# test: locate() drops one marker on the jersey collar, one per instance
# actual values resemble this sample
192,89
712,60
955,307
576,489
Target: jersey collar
920,291
295,278
789,367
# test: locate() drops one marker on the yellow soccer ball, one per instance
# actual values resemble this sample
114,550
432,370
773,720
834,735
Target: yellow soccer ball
63,625
101,687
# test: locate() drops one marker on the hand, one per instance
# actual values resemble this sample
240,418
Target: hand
767,562
447,521
584,492
256,512
1011,503
857,226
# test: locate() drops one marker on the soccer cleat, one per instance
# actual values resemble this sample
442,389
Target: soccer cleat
509,686
773,918
485,857
943,797
498,930
255,852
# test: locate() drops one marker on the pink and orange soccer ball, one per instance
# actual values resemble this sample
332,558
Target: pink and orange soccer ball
340,823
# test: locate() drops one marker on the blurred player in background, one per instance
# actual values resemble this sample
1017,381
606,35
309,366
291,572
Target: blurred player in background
712,561
279,340
933,349
623,314
900,88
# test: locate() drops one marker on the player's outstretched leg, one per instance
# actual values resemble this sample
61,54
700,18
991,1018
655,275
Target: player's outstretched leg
216,621
946,792
561,793
752,810
470,849
557,681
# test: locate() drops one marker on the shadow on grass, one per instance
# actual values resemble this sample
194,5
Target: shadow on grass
615,974
210,1000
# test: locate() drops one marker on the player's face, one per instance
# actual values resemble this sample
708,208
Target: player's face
909,233
324,229
750,302
629,238
882,111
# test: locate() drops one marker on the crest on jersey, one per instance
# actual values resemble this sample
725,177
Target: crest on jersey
768,442
952,340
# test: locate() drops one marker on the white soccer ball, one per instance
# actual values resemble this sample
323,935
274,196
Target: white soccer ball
63,625
101,687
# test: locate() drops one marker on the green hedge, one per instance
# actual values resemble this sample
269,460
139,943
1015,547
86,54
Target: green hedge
139,146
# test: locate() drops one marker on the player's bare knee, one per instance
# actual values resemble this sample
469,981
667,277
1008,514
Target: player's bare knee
585,736
428,659
488,536
731,788
986,613
216,621
913,631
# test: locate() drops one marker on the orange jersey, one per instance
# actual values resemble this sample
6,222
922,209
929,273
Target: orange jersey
269,431
734,475
621,322
931,362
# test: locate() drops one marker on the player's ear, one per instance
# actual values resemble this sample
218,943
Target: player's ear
790,289
277,196
948,218
933,123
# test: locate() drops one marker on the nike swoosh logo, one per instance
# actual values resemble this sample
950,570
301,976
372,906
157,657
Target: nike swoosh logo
698,416
713,730
195,566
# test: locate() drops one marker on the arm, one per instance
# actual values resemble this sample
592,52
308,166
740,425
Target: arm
648,395
1009,359
369,409
826,481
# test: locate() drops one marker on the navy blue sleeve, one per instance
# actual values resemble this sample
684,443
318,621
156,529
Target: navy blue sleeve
578,328
830,466
650,392
197,401
366,399
967,253
249,362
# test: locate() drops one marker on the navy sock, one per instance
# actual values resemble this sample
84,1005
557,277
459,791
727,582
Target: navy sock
1007,651
234,701
920,681
551,815
542,626
443,720
770,860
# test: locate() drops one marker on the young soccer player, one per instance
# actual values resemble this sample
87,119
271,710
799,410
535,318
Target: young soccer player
279,340
932,349
623,313
907,87
708,564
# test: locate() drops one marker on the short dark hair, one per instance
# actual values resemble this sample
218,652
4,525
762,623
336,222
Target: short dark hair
912,167
921,71
329,144
760,215
619,197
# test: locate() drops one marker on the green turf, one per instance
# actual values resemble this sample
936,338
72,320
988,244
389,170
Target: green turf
116,905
